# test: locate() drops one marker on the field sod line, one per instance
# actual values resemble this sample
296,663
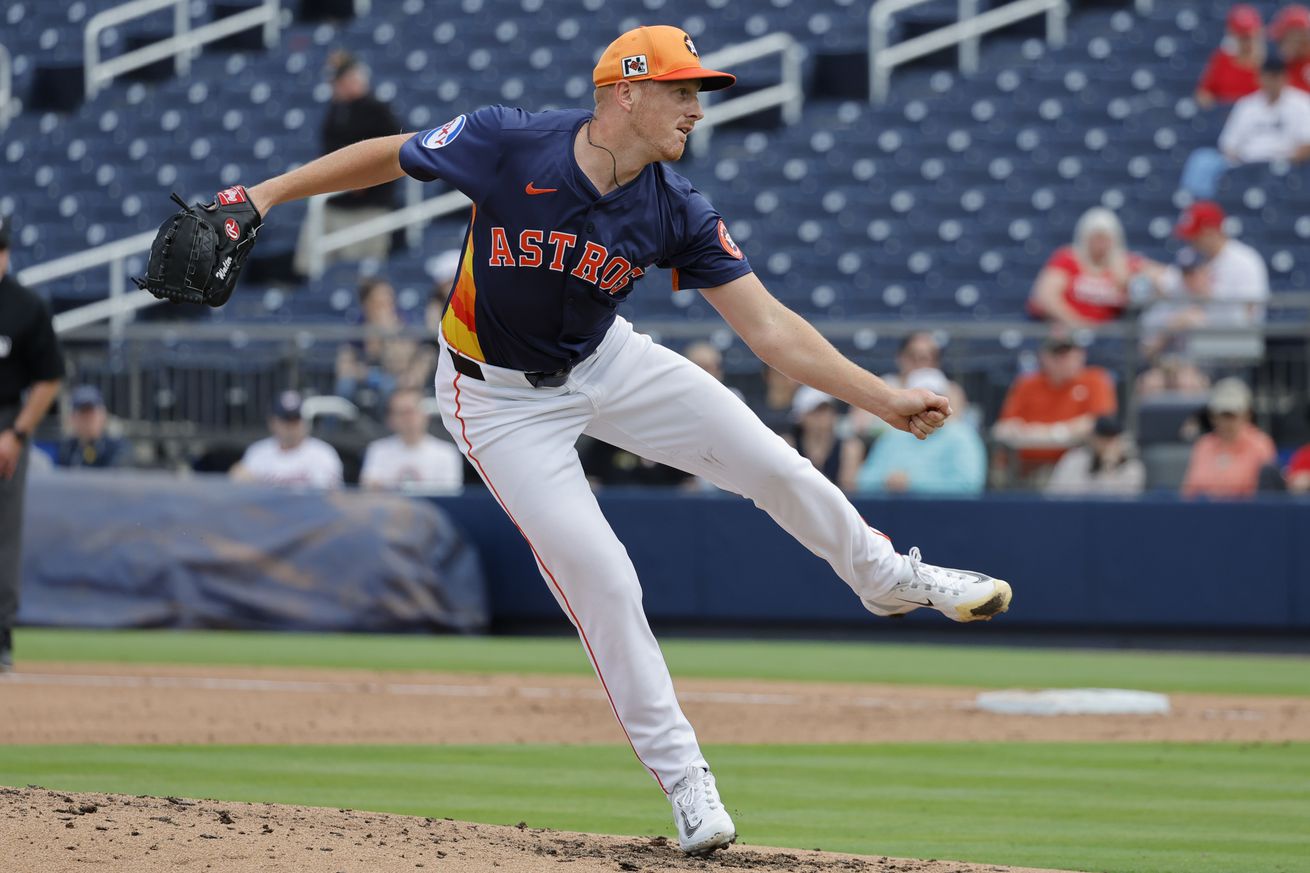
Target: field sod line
294,686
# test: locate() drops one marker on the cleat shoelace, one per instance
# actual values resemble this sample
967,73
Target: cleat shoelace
695,791
935,578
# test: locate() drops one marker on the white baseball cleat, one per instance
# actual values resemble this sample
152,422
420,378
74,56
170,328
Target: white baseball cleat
960,595
703,824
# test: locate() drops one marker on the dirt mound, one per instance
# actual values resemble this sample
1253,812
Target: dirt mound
60,832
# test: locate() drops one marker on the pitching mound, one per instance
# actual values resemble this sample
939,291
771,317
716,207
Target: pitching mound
57,832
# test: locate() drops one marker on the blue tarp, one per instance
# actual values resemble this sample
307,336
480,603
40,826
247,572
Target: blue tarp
135,549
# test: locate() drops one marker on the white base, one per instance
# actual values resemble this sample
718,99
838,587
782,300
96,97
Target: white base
1074,701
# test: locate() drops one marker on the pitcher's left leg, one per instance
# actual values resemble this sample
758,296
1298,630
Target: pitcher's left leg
660,406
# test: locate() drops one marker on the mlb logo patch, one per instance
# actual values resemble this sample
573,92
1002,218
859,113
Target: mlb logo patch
444,135
635,66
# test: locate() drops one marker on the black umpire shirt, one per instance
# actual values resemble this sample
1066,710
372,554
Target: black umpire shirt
29,351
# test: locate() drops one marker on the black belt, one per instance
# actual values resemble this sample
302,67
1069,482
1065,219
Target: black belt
538,379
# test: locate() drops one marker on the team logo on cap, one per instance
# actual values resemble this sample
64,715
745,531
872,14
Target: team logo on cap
725,240
444,135
635,66
691,46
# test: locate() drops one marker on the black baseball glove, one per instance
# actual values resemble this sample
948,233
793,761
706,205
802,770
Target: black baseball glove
199,251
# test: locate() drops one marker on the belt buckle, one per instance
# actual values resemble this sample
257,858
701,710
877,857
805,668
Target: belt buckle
547,380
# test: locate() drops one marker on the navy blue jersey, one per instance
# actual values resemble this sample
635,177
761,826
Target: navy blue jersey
546,259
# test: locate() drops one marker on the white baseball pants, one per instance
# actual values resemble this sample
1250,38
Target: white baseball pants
646,399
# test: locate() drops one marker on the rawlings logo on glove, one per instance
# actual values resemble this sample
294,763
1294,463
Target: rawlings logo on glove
199,251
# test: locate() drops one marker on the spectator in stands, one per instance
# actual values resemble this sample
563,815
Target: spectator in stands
1297,475
1227,288
1227,462
1234,67
1047,412
411,457
1272,124
953,461
1169,371
290,457
89,444
918,350
1107,464
369,369
1087,283
353,114
1291,30
774,406
707,356
444,267
610,466
818,435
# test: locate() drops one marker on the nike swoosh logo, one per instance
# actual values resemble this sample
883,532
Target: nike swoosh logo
533,189
917,603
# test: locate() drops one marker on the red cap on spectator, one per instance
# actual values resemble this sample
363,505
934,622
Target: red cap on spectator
1292,17
1201,215
1244,20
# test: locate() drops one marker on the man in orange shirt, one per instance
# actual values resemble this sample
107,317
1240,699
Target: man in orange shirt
1227,462
1049,411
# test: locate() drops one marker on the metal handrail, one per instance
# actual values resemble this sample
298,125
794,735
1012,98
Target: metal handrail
321,244
788,94
964,33
118,305
6,87
179,46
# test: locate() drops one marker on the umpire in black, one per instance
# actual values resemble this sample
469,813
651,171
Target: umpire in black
30,363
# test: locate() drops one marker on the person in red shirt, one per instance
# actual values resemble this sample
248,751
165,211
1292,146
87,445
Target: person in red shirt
1087,283
1228,461
1234,68
1049,411
1291,30
1298,471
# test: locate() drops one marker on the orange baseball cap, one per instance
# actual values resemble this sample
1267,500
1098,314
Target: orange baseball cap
661,53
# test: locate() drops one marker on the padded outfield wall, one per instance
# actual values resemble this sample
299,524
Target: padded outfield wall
1152,563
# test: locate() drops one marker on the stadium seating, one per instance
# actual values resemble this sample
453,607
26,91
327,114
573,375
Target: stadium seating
943,203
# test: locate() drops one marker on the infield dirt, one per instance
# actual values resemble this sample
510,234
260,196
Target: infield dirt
101,703
58,832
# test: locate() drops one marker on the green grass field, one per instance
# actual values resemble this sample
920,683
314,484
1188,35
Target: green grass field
974,666
1118,808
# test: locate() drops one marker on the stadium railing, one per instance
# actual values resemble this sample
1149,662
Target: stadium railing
6,87
179,47
965,34
789,93
221,376
120,304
